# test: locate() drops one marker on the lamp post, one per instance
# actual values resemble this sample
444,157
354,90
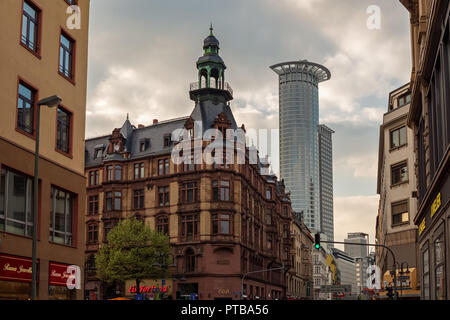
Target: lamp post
50,102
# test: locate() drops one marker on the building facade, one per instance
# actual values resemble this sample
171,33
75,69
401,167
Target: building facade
347,269
299,149
325,142
360,253
322,274
42,57
429,118
299,279
396,185
225,220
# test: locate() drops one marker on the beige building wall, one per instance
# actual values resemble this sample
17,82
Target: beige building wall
42,73
400,237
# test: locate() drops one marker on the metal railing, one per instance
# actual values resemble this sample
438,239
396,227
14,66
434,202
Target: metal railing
196,86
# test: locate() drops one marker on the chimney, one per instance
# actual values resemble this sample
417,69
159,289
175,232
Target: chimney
155,121
140,126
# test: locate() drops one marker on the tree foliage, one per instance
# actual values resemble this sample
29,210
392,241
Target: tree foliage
131,252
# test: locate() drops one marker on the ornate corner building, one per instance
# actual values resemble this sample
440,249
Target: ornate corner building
223,220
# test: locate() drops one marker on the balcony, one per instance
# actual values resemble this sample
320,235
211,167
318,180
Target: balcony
196,90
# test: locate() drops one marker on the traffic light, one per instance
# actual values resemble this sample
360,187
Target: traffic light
317,240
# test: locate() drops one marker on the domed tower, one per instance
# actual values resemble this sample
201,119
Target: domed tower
211,83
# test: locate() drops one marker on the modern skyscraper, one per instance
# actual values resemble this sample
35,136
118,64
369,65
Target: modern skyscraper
325,135
299,120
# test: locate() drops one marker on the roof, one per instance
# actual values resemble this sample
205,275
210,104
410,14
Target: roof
322,73
206,112
154,134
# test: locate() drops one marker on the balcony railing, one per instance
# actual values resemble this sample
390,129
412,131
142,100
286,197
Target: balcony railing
196,86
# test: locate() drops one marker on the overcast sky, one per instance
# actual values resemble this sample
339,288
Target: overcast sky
142,58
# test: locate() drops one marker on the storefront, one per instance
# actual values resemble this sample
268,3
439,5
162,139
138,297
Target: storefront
407,285
15,277
433,220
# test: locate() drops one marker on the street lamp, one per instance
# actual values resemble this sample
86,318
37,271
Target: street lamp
50,102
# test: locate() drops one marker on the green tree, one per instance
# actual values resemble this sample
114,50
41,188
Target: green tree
131,253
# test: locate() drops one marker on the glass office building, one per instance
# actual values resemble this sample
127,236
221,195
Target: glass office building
325,135
299,121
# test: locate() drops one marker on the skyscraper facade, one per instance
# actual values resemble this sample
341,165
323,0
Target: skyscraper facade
299,120
325,136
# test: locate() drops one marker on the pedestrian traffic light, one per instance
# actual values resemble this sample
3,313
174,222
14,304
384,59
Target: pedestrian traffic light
317,240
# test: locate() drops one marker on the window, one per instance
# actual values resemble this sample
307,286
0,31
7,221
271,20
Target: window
98,153
426,274
439,268
285,211
163,196
93,178
144,144
114,201
404,99
221,190
66,55
221,224
107,227
139,170
93,205
268,217
398,137
16,200
189,227
189,192
63,135
399,173
167,140
400,213
26,108
61,216
162,224
244,229
92,233
190,260
269,193
114,173
285,231
269,241
139,200
163,167
118,173
188,163
30,26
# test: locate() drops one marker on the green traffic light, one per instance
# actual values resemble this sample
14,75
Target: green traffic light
317,246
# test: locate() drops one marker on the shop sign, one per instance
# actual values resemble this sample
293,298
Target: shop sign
153,289
223,292
422,226
14,268
59,274
436,205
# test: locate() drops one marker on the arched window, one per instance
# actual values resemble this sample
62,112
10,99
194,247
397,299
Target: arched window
190,260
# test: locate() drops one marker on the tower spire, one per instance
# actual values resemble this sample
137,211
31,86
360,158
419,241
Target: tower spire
211,30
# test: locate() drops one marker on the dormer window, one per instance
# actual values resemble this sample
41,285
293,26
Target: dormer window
98,153
144,144
167,140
